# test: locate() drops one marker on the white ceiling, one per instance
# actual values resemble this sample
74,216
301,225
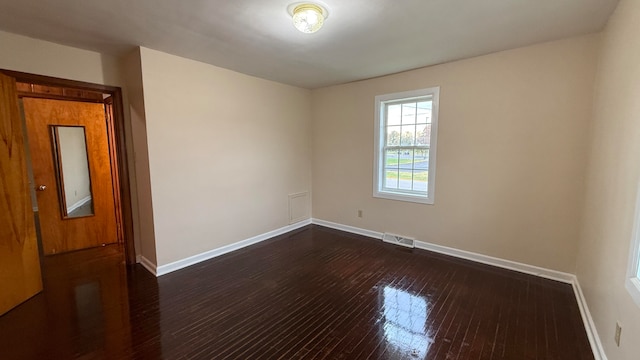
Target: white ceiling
360,39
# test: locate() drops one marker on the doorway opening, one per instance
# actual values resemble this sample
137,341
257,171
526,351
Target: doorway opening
97,126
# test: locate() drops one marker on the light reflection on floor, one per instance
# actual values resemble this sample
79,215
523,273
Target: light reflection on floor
404,325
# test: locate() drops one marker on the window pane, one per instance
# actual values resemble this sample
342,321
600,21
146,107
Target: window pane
405,180
405,166
423,134
408,137
420,180
391,159
393,135
391,179
421,160
405,160
393,115
424,112
406,169
391,165
408,113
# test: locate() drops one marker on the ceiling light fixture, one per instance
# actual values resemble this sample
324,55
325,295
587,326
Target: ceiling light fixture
308,17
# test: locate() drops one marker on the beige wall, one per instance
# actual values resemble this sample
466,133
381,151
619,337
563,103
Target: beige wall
138,151
225,150
21,53
612,184
511,153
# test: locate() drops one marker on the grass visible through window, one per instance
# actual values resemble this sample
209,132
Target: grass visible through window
404,175
394,161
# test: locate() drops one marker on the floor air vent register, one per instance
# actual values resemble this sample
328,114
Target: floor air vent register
398,240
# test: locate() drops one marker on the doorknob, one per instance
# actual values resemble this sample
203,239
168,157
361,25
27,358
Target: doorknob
42,188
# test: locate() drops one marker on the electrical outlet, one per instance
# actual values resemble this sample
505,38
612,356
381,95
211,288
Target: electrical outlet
618,332
359,213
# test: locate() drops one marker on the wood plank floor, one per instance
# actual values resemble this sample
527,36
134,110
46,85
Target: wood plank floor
315,293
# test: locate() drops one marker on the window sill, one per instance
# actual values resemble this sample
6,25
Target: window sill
403,197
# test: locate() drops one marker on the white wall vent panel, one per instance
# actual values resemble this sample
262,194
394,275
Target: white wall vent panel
298,207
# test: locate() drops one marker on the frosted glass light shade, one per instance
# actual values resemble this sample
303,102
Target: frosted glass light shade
308,18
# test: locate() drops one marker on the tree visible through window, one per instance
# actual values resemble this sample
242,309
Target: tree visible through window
405,151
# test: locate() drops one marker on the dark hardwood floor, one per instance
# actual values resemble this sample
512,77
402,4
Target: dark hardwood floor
315,293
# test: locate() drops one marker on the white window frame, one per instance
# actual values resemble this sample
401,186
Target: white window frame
380,123
632,282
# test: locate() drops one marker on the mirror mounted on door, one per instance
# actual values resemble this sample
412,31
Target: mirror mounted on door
72,171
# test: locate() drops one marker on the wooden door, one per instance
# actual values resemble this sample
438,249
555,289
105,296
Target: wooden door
20,276
62,232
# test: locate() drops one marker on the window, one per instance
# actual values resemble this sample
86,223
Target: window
633,274
405,152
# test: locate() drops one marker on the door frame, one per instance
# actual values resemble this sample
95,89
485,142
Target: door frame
119,130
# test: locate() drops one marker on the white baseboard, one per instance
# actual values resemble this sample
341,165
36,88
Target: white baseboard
501,263
347,228
192,260
148,264
138,259
592,333
468,255
79,203
589,325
